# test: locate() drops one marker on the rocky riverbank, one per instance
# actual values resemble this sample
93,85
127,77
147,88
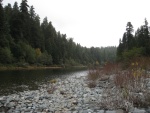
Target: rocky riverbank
71,95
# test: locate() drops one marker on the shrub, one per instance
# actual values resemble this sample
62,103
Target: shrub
44,59
6,56
132,84
53,81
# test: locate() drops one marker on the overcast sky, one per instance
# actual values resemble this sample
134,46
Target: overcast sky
92,22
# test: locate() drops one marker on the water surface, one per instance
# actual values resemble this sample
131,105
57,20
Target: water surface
20,80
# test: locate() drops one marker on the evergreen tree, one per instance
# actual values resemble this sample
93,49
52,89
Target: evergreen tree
24,40
8,12
15,24
24,7
129,36
143,38
3,30
32,13
25,21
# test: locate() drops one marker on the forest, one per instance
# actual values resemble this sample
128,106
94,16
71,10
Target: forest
25,40
133,46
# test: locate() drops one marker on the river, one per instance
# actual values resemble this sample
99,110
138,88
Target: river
22,80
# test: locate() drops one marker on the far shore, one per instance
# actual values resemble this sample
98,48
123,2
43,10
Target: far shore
4,68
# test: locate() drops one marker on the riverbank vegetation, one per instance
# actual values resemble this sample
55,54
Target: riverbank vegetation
26,41
127,80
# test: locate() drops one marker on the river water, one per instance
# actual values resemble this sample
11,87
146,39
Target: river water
22,80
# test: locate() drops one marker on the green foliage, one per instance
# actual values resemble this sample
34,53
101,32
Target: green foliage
133,53
6,56
24,40
44,59
134,46
27,53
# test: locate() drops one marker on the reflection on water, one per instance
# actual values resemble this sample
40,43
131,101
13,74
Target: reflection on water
20,80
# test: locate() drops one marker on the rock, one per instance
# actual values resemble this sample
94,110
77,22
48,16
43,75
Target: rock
3,100
23,105
90,111
148,84
29,105
104,78
139,111
29,97
98,91
85,95
120,111
75,112
68,105
62,92
110,112
11,111
11,104
2,109
71,95
43,106
28,110
86,100
148,110
93,99
75,96
78,108
88,90
100,111
75,102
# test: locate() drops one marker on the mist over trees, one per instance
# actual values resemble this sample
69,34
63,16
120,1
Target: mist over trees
138,45
23,39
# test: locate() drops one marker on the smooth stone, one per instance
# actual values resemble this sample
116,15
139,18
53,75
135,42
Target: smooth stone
68,105
78,108
11,104
28,110
1,105
29,97
3,100
139,111
86,100
100,111
75,96
43,106
148,110
90,111
119,111
23,105
9,111
84,111
148,84
110,111
99,91
29,105
93,99
87,89
75,102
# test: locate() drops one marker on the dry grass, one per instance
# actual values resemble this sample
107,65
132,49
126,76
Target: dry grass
129,86
132,83
102,73
93,75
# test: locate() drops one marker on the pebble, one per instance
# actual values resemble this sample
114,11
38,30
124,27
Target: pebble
72,95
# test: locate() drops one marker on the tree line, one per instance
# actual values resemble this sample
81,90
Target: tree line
25,40
131,46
